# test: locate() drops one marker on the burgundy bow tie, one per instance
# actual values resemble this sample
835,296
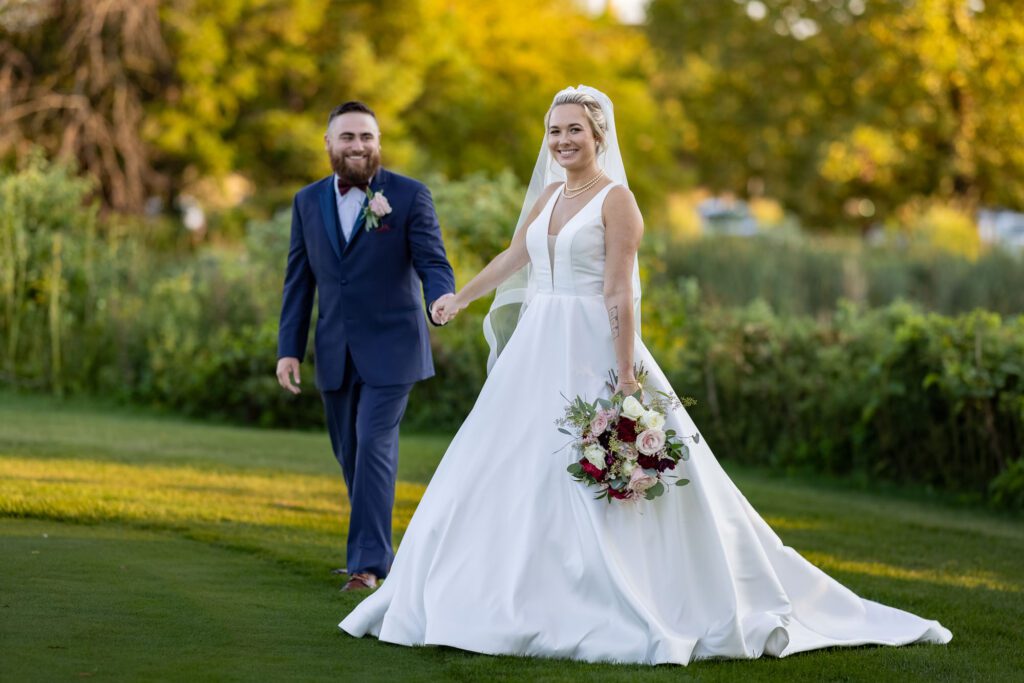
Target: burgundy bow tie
343,188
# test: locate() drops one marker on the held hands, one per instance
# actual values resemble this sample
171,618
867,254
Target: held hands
287,368
445,308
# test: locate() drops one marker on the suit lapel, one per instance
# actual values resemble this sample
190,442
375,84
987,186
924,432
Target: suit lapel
358,227
376,185
329,209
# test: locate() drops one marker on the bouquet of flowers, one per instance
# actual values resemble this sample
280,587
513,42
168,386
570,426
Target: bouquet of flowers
624,450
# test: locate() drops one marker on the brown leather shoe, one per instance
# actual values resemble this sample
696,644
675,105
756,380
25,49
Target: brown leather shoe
360,581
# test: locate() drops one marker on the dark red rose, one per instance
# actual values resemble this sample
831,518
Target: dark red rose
626,430
589,468
653,462
648,462
621,495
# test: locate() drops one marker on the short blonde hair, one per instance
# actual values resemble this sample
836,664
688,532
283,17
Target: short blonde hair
592,109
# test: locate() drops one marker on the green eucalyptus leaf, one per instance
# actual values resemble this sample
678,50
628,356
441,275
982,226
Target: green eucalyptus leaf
655,491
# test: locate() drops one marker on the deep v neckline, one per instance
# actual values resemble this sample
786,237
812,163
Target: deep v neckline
551,214
551,241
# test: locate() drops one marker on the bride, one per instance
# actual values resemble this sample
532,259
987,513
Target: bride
507,554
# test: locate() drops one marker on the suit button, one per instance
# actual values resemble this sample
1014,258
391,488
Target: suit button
344,282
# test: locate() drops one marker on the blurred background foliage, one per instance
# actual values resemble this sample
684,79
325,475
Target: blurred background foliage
812,103
818,102
155,97
149,151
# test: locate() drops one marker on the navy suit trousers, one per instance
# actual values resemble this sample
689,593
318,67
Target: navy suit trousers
362,421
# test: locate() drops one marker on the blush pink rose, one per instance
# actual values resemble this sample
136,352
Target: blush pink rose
379,205
599,423
640,481
650,441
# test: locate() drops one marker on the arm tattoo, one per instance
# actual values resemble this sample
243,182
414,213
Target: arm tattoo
613,320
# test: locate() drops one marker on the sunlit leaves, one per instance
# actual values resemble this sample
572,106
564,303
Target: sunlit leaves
886,101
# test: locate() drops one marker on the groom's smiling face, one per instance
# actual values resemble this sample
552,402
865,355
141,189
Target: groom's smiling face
353,145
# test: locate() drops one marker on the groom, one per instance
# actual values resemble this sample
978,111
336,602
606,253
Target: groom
367,260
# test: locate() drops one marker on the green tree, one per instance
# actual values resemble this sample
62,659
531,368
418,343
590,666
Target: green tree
161,96
246,93
825,105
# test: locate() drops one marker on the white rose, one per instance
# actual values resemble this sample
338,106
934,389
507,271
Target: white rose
632,408
627,468
652,419
595,456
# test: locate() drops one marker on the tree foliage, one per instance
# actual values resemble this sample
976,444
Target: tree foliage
824,104
841,109
153,96
74,78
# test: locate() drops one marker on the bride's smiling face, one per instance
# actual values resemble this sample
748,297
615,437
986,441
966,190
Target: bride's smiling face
570,138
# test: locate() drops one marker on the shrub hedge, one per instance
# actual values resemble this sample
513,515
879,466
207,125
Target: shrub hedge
100,306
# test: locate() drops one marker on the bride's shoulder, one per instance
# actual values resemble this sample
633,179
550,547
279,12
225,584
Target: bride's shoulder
619,195
620,201
621,211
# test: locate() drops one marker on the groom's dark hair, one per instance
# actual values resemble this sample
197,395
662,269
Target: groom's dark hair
350,106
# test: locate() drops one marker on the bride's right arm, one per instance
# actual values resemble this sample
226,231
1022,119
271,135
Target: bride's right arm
502,265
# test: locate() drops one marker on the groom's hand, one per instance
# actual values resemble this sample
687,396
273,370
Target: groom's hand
287,368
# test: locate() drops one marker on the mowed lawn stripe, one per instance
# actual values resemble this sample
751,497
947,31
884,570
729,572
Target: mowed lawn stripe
167,549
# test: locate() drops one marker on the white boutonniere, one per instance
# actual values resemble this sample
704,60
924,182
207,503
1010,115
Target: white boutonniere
376,208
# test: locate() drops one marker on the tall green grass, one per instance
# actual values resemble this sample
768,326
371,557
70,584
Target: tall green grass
812,275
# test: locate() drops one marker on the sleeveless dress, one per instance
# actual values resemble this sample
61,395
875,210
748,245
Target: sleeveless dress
507,554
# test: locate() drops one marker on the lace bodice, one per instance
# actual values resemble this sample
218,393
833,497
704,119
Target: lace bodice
576,266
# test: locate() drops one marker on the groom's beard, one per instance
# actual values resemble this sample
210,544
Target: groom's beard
356,175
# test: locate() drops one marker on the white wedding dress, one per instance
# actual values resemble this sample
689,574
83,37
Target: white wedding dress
507,554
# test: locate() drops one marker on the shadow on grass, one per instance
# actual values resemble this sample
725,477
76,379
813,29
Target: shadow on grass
174,550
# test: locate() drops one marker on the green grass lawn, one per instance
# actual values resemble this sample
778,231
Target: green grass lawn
136,547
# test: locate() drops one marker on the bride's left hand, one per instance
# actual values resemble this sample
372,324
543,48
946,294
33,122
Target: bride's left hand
627,386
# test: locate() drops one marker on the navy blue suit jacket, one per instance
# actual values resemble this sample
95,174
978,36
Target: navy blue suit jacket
369,286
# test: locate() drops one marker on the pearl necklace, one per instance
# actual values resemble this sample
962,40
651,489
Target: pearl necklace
569,193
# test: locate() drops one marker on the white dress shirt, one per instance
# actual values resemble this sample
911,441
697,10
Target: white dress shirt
349,206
